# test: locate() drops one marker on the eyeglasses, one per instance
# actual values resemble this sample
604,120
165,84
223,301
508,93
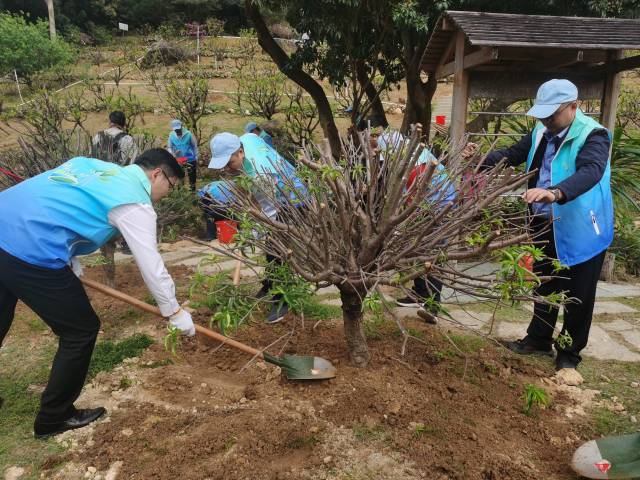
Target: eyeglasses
171,185
553,115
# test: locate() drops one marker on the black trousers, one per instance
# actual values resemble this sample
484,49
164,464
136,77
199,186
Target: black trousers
57,296
430,288
578,282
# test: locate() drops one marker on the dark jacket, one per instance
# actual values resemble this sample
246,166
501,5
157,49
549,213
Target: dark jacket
590,162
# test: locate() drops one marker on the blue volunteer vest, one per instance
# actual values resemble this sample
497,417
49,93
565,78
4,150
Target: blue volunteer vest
183,144
219,191
583,227
260,159
64,212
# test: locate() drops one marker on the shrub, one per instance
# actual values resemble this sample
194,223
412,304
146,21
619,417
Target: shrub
26,47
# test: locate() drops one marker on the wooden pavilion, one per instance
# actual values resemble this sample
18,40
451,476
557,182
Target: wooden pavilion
491,55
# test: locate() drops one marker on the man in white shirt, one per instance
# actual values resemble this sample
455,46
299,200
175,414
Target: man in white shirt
69,211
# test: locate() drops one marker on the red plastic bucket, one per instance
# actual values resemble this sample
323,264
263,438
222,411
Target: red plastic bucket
226,230
440,119
526,262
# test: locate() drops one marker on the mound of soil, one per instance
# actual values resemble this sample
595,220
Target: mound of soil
431,414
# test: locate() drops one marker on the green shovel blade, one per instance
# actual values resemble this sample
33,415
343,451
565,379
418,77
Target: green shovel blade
297,367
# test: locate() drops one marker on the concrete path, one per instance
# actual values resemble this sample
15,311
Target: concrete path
615,333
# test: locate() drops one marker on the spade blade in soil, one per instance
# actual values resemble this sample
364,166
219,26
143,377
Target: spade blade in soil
297,367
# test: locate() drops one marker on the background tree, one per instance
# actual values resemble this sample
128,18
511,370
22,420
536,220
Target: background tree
27,48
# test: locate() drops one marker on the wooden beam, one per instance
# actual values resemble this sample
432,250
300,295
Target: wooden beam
447,52
480,57
628,63
557,62
460,97
610,94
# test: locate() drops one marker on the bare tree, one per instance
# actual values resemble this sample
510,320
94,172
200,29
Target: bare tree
357,226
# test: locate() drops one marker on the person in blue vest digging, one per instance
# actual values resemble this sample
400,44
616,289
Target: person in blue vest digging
571,210
69,211
252,127
216,200
251,155
426,293
183,145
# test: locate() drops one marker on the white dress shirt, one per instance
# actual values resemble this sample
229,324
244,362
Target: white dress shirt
137,224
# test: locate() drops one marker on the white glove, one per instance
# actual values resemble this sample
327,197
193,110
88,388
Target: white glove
76,266
182,320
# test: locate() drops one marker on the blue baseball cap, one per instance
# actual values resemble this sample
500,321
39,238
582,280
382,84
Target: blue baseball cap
251,126
176,124
223,145
551,95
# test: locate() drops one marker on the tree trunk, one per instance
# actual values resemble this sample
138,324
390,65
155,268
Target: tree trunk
354,328
108,251
52,19
419,96
296,74
376,109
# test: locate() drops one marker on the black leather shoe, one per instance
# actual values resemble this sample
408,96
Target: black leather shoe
525,347
82,418
565,363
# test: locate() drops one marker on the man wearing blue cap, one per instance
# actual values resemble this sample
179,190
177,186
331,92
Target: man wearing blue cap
570,202
229,151
252,127
184,146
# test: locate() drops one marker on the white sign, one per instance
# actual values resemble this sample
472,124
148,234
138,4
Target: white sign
123,26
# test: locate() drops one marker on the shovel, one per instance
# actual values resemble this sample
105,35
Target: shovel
295,367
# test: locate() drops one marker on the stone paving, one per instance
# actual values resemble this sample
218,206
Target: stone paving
615,333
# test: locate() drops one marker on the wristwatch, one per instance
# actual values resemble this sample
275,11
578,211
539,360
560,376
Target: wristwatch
557,194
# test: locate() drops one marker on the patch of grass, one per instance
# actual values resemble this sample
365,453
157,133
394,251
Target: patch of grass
411,331
319,311
23,365
108,354
365,432
468,343
229,443
621,375
125,382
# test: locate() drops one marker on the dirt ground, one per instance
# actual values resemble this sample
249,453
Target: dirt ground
209,415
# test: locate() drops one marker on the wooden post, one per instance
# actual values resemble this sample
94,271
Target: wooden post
460,97
611,91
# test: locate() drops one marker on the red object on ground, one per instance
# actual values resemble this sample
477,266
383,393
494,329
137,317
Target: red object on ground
182,160
9,173
526,262
440,119
226,230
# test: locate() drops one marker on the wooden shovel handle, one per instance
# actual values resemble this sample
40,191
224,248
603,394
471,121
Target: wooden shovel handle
112,292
